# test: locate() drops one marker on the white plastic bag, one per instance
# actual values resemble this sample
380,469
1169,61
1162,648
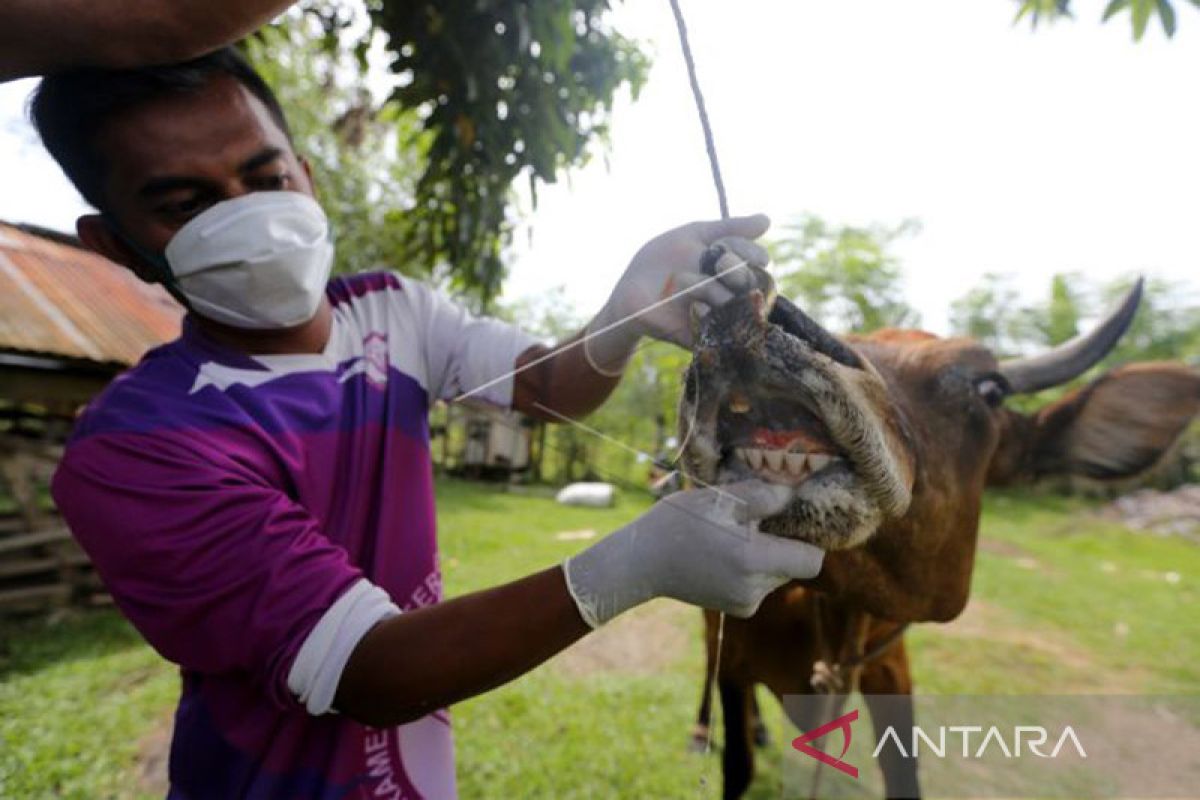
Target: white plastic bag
594,495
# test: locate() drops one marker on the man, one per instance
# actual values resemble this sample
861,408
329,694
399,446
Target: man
39,36
257,495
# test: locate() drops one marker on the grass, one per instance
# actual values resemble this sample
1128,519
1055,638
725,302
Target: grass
75,698
1062,603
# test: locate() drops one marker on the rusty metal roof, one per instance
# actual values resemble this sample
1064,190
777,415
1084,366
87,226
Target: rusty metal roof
64,301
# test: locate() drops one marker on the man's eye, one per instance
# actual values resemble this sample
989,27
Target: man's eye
272,182
183,209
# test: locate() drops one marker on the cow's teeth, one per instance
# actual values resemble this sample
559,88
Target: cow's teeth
774,459
754,457
796,462
817,461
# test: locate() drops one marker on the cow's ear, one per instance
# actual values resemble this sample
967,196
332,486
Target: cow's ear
1119,425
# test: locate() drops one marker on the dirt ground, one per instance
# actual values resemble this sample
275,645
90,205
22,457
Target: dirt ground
982,620
645,641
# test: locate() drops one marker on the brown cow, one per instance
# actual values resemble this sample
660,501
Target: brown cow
890,440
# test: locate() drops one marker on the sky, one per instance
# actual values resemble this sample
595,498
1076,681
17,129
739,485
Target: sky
1068,149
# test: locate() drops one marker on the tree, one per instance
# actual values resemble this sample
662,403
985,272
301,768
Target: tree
632,425
986,312
486,92
1167,325
364,175
1140,12
844,276
1057,319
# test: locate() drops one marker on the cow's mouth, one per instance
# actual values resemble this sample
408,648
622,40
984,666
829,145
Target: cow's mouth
794,406
775,439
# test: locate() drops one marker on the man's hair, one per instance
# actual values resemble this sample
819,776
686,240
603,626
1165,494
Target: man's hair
70,108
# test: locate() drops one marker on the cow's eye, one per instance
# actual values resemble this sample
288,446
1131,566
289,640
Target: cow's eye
993,389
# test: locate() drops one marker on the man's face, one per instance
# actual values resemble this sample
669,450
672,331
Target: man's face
171,159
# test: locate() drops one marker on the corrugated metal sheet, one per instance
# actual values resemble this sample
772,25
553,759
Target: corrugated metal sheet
64,301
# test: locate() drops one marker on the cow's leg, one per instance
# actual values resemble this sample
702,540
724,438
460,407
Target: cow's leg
889,675
737,760
700,731
698,743
761,737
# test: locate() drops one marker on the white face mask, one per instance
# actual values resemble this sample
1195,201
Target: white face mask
258,261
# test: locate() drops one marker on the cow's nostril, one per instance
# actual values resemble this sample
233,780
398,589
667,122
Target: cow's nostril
739,403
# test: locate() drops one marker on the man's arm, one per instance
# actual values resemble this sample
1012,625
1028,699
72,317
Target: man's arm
563,385
700,547
39,36
423,660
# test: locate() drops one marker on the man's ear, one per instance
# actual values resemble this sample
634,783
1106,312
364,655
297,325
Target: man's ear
1119,425
307,167
97,234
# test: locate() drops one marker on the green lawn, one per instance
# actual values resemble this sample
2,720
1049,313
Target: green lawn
1062,602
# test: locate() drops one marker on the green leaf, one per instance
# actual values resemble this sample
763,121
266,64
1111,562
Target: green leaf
1116,6
1167,12
1142,9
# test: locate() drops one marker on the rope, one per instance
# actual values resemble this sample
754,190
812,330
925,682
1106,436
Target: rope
709,143
711,147
834,679
830,678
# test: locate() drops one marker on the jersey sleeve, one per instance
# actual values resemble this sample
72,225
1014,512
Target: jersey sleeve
218,570
465,354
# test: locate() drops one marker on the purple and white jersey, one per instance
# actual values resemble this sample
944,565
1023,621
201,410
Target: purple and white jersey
242,509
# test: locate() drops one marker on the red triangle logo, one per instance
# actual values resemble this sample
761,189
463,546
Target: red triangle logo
842,723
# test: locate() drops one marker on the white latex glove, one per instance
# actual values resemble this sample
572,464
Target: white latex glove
670,264
701,546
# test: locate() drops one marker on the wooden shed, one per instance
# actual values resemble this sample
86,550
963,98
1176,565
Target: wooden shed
485,443
69,322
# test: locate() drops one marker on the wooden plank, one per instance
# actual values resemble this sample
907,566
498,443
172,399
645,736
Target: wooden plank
10,543
32,566
13,523
35,595
27,566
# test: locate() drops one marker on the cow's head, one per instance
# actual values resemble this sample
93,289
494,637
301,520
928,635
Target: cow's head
890,439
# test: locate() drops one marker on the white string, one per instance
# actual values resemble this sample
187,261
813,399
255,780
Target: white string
712,685
605,437
592,334
691,426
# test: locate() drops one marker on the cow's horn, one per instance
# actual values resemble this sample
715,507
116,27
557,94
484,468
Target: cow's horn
1072,358
788,316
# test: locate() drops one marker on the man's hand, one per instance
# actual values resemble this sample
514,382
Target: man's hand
668,268
701,546
38,36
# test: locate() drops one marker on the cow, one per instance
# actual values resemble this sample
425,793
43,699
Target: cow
890,440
